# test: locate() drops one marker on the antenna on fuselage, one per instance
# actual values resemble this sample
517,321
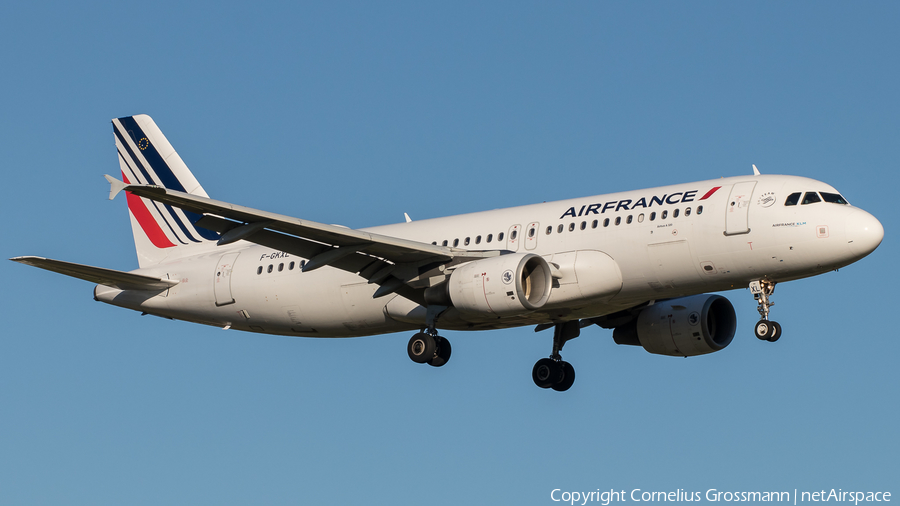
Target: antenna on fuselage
755,170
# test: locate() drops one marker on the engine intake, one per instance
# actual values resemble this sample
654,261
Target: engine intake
682,327
506,285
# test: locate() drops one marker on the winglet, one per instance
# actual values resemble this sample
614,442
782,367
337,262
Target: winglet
755,170
115,186
408,219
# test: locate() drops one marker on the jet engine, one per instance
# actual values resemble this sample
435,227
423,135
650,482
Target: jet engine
682,327
499,286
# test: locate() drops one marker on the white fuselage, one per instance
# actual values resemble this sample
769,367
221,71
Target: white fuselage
658,243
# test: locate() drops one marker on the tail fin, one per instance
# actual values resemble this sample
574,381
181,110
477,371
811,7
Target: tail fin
146,157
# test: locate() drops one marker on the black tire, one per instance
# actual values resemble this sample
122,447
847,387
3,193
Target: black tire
546,373
776,332
568,378
421,348
443,352
763,330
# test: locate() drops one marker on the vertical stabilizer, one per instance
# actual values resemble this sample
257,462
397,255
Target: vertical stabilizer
146,157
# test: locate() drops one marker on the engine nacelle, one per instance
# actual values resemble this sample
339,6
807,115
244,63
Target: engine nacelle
506,285
682,327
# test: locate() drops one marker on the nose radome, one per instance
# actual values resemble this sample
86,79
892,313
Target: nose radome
864,233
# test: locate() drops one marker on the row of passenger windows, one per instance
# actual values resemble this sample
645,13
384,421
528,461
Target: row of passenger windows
488,239
628,220
813,197
271,267
584,224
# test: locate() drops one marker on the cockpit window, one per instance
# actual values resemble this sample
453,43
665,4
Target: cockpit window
833,198
792,199
811,198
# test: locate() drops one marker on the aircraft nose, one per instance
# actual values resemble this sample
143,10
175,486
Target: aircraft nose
864,233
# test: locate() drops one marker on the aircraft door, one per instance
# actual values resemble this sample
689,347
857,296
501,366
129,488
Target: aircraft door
513,238
531,235
738,208
222,279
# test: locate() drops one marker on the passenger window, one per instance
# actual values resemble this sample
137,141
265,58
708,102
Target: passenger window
455,242
444,243
478,240
259,270
833,198
663,215
628,220
606,222
571,226
549,230
302,263
513,234
559,229
792,199
467,241
618,220
652,216
490,237
687,211
269,269
583,225
594,224
280,267
699,209
531,232
641,218
500,236
811,198
434,242
675,213
291,266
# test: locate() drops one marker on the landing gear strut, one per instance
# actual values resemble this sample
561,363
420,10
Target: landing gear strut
765,329
554,372
428,347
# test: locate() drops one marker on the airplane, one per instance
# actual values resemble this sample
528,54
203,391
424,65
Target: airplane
642,263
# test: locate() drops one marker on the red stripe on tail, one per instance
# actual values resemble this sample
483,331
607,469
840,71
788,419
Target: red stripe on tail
146,220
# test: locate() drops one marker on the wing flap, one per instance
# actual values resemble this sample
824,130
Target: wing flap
108,277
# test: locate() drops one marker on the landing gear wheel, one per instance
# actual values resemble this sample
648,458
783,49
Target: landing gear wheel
443,353
568,378
421,348
763,330
546,373
775,333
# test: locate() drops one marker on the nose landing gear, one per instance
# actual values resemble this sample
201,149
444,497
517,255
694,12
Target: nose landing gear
554,372
765,329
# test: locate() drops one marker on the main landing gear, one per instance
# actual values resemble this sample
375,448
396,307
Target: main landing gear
429,348
765,329
554,372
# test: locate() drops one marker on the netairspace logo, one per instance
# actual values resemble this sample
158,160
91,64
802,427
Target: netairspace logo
605,497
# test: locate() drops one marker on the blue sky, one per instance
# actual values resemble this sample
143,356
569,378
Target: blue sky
354,113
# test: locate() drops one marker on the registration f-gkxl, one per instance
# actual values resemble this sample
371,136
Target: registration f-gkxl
638,262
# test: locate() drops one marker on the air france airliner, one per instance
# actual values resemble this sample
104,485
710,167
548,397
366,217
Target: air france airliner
641,263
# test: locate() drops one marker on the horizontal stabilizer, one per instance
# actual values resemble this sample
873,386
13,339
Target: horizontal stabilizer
112,278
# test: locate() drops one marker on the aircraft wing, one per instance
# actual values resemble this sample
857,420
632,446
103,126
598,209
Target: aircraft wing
109,277
322,244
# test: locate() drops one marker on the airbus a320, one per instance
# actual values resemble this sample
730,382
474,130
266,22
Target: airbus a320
641,263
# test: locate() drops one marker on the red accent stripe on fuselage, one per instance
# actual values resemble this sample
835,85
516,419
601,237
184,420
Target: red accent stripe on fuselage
146,220
709,193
